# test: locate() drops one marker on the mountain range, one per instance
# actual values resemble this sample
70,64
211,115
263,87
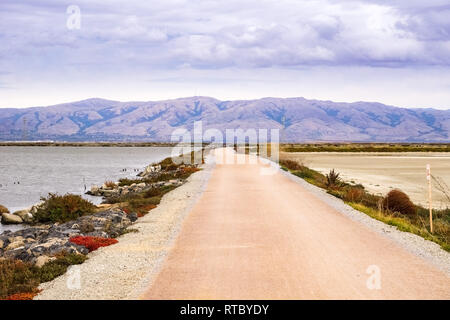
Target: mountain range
299,119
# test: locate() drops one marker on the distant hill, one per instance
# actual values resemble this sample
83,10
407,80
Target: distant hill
301,120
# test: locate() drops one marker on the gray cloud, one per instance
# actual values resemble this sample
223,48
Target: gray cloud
217,34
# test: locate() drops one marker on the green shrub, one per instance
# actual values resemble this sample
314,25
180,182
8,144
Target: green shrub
57,208
398,201
304,173
57,267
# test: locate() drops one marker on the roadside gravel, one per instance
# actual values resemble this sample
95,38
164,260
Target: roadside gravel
124,270
425,249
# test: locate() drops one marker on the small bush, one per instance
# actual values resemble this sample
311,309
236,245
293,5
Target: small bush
16,277
353,194
57,267
110,184
64,208
153,192
398,201
168,164
333,179
3,209
93,243
19,280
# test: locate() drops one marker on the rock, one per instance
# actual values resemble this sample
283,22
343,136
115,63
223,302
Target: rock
86,227
28,218
110,193
3,209
8,218
15,245
25,215
41,260
21,213
34,208
141,185
94,189
133,216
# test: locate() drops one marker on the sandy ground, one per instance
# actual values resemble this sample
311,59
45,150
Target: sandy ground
381,172
253,236
123,271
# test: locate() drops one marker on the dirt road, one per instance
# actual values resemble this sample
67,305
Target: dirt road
254,236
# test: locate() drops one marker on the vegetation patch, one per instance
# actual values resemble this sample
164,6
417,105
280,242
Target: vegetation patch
398,201
19,280
62,208
395,208
128,182
93,243
366,147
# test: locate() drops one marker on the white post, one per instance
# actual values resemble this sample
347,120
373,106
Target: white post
429,196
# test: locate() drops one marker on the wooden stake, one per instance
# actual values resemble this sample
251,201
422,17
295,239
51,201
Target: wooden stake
429,196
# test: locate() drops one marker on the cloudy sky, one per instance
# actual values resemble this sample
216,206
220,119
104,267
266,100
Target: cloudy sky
394,52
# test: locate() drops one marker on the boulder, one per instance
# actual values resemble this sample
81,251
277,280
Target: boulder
94,189
15,244
41,260
3,209
133,216
25,215
8,218
34,208
141,185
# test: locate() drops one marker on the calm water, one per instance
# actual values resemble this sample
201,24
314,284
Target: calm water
28,173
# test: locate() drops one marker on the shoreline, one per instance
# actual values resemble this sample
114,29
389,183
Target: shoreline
126,269
83,144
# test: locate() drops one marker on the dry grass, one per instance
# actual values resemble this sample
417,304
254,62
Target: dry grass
110,184
398,201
